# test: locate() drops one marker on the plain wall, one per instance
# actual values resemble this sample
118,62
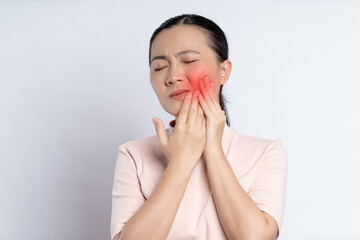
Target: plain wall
74,85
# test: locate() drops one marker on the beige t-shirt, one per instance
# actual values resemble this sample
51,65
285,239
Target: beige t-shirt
259,164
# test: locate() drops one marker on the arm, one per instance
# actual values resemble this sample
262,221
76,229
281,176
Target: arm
159,211
239,212
240,217
153,218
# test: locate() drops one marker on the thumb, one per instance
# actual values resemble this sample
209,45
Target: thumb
160,130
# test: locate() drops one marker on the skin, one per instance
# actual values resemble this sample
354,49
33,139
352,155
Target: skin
198,133
176,73
179,72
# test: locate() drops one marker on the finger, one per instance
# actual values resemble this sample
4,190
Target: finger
181,120
201,119
160,131
206,88
193,108
205,106
200,115
209,103
203,125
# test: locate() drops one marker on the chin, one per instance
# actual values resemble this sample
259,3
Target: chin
173,108
173,112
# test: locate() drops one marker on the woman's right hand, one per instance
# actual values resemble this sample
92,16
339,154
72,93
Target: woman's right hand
184,147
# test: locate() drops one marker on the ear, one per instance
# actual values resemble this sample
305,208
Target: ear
225,70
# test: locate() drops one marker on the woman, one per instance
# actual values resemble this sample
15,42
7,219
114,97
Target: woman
200,178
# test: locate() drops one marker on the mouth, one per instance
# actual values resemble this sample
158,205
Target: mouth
179,93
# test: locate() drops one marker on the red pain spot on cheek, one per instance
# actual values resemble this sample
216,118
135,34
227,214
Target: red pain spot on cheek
195,82
195,77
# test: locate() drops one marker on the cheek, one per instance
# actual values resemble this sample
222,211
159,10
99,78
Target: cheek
159,91
197,74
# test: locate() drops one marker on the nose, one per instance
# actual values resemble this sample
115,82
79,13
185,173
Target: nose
175,74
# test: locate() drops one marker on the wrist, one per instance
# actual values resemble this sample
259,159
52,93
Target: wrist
179,169
213,151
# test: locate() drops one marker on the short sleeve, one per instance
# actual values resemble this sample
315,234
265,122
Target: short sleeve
127,197
269,187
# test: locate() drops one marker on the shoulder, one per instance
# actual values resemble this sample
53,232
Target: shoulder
254,142
147,147
258,147
141,144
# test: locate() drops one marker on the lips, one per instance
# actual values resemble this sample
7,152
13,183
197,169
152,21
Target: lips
178,92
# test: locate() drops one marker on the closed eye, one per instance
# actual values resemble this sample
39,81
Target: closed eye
190,61
158,69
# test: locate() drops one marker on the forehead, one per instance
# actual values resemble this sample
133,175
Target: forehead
179,38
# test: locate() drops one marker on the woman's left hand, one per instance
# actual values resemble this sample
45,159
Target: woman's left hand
215,117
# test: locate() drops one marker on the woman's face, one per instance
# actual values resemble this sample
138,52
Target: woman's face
180,57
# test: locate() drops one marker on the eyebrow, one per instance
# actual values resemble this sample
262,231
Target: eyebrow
177,54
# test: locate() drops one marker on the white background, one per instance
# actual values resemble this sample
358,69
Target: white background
75,85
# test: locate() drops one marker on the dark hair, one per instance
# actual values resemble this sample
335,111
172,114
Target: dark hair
216,40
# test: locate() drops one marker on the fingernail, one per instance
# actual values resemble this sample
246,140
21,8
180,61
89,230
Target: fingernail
212,84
